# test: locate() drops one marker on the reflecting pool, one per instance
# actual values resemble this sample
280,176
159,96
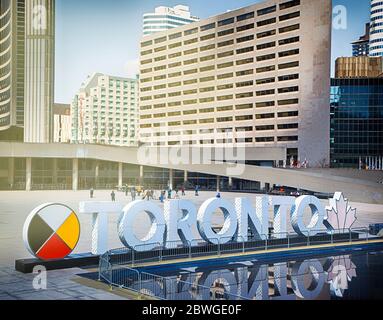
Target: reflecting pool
352,276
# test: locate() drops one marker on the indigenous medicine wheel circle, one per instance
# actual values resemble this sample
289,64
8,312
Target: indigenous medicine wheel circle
51,231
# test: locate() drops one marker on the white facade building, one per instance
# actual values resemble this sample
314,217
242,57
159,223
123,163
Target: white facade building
257,76
165,18
105,111
376,30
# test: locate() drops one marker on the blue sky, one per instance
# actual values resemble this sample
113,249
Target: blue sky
103,36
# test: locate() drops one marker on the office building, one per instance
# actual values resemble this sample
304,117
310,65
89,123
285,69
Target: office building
356,121
165,18
361,47
376,29
358,67
39,70
261,73
27,70
62,123
105,111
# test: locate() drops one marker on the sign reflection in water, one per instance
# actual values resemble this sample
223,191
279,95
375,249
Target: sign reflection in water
305,279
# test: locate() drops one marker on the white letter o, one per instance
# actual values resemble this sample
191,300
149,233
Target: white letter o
156,233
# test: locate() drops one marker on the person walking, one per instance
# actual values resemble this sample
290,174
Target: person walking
196,191
162,196
169,193
183,191
91,193
133,193
113,196
218,196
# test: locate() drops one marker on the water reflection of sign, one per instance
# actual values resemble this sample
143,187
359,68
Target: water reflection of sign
281,281
340,274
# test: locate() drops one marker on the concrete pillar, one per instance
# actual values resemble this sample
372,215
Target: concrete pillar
96,173
218,183
185,176
28,174
11,172
171,178
141,180
262,185
120,166
230,182
75,175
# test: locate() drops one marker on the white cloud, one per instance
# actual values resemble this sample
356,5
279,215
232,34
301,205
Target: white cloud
131,68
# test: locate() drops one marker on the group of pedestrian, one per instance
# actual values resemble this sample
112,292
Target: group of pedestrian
149,194
112,195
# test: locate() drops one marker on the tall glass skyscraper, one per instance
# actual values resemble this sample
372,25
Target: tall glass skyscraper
165,18
376,29
356,120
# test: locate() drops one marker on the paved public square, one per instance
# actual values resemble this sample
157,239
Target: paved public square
64,284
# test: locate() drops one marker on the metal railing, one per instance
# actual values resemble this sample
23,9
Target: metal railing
176,250
114,264
167,288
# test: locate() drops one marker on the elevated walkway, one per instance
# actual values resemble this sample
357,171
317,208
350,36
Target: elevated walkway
357,187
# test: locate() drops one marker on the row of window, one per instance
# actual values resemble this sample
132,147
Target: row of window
189,132
219,119
237,140
264,116
376,11
223,97
380,3
260,35
221,45
230,64
220,87
264,104
224,54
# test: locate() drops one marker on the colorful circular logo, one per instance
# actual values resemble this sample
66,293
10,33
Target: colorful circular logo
51,231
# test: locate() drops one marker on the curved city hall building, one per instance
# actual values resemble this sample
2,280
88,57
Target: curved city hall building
376,32
26,70
5,63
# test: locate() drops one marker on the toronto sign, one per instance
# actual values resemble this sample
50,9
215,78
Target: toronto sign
52,230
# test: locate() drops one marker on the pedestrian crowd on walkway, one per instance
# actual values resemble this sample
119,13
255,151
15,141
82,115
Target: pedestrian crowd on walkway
148,195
